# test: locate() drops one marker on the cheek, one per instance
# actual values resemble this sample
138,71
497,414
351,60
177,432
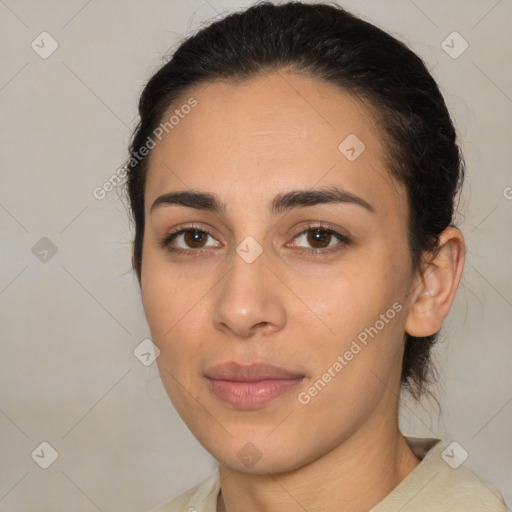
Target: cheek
355,297
166,297
175,312
362,315
354,368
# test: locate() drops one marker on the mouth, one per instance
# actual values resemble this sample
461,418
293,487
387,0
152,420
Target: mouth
250,386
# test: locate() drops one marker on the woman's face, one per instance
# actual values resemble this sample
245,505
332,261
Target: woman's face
256,284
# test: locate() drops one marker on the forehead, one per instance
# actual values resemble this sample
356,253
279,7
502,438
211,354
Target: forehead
250,139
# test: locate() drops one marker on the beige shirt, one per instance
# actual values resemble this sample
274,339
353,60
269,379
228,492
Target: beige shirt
433,486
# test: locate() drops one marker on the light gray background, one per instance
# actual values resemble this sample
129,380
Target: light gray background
68,375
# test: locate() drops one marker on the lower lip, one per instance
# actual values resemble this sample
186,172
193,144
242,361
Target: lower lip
249,395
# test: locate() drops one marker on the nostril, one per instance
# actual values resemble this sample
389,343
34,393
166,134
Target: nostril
259,326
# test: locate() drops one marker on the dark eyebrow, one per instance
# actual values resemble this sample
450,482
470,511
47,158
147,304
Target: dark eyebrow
282,202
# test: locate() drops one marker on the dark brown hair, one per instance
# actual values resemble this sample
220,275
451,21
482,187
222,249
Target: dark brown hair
327,42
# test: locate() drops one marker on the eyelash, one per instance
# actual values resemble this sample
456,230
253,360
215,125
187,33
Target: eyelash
344,240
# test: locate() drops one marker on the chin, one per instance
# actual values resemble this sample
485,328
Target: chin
259,456
262,467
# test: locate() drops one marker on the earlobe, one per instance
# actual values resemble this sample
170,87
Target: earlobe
437,284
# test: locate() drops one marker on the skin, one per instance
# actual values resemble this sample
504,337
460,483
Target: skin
246,142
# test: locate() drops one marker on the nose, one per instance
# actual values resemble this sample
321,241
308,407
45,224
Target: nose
250,300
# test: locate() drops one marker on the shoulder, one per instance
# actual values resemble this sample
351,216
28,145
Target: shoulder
442,483
201,498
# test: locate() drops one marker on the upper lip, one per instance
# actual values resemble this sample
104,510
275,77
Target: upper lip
249,373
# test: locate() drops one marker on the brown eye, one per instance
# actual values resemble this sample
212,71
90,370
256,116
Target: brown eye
195,239
187,240
319,238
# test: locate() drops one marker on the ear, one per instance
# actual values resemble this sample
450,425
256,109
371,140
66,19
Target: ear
435,286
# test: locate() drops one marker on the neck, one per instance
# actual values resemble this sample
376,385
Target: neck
354,476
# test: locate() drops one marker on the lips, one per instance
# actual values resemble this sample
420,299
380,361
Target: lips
251,373
250,386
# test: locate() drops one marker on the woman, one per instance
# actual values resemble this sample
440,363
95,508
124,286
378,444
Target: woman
292,182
